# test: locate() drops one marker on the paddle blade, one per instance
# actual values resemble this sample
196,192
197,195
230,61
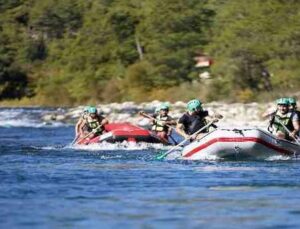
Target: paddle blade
161,156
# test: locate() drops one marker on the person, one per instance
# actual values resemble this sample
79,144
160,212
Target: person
296,112
284,124
93,123
293,105
161,122
193,120
80,127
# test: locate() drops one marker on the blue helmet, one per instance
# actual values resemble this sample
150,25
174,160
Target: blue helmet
283,101
92,110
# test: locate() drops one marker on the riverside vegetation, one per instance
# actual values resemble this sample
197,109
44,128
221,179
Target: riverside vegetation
86,51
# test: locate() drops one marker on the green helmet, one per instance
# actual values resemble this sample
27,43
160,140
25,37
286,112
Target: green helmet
283,101
292,101
164,106
92,110
194,105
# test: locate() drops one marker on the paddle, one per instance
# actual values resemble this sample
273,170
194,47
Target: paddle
75,139
142,113
175,142
89,134
162,156
154,119
287,130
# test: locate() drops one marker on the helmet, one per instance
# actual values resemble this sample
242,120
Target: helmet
292,101
194,105
92,110
283,101
164,106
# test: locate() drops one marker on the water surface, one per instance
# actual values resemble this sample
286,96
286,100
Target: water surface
46,183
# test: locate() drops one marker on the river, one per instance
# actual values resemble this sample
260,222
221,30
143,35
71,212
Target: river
47,183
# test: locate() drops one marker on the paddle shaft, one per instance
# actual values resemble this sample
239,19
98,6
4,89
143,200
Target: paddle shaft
89,134
175,142
75,140
185,140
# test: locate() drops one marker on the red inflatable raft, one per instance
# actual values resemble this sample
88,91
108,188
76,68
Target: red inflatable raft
119,132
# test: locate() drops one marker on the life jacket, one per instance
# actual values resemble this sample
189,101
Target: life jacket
93,123
157,126
278,120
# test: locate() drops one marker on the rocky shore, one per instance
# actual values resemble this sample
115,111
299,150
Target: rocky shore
235,114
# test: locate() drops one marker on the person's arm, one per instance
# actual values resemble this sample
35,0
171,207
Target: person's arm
180,127
171,121
269,114
77,126
180,130
104,120
215,116
81,124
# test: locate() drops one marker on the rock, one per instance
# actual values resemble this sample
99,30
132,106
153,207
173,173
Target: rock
235,114
49,117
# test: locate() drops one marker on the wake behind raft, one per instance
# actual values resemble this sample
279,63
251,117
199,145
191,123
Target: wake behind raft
119,132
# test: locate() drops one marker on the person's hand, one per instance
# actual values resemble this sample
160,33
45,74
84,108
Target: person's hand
293,135
141,112
193,137
186,136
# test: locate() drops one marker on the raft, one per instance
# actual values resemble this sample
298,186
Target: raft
239,143
120,132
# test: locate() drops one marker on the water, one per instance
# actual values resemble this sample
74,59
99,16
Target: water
45,183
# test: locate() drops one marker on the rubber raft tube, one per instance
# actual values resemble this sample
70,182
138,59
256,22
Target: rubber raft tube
119,132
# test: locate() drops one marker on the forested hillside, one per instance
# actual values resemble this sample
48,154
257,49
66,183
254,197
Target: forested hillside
67,52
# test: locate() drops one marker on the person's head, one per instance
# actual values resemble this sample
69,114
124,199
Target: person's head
283,105
92,111
164,109
293,103
194,106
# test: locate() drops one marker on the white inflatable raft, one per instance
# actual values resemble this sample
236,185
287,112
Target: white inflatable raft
239,143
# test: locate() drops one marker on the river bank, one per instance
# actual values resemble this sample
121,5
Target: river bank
237,114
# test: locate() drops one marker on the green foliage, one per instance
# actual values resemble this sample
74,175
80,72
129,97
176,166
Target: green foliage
54,17
255,44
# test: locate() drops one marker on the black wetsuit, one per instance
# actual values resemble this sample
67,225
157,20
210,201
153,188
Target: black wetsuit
193,123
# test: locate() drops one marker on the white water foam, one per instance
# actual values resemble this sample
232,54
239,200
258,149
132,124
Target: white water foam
119,146
279,158
215,168
21,117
